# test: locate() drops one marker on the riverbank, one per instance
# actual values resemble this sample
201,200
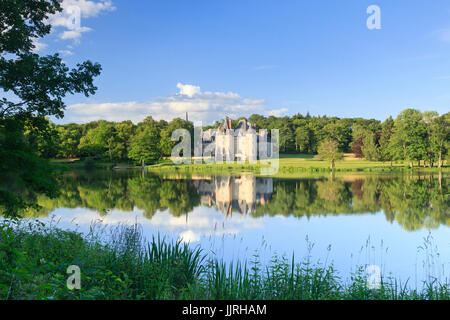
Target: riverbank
290,166
35,258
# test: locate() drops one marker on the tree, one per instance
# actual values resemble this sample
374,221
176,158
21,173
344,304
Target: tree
124,132
369,147
329,150
339,132
144,146
69,138
302,139
357,148
364,133
166,144
108,140
22,173
42,136
438,133
409,136
38,84
428,118
99,142
258,121
287,133
386,154
34,87
317,134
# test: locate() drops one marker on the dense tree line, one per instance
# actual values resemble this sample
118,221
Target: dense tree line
146,142
412,136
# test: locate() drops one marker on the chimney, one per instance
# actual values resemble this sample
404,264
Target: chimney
229,123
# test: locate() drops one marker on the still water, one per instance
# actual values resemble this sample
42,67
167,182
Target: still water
398,222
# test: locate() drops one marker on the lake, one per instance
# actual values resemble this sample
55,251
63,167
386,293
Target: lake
398,222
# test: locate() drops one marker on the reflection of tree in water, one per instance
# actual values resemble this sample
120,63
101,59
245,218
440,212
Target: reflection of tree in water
333,192
117,190
180,196
151,193
145,194
414,202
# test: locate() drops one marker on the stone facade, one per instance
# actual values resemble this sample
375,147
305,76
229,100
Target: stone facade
238,144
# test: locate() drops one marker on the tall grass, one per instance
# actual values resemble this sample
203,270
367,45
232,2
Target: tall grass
123,265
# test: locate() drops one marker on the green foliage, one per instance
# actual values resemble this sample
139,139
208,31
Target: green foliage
340,132
303,139
370,148
111,141
89,163
99,141
42,136
37,84
166,144
69,138
22,173
386,153
329,150
34,87
144,147
124,132
409,136
438,134
414,202
34,259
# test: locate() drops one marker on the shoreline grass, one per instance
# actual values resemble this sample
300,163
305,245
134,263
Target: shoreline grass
34,258
290,166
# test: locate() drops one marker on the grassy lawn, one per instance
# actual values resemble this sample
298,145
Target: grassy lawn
290,165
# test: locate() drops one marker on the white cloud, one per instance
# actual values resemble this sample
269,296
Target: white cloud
74,34
188,90
90,8
73,15
277,112
38,46
201,106
202,222
66,52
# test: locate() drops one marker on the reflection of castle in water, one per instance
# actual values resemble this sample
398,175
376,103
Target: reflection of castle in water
241,193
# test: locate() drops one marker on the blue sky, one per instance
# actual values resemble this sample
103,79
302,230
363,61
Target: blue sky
238,57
